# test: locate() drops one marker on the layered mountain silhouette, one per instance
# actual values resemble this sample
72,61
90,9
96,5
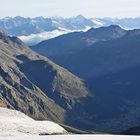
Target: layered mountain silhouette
19,26
76,41
34,30
97,51
108,59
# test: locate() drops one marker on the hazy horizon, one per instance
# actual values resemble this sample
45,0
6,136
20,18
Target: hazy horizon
67,17
63,8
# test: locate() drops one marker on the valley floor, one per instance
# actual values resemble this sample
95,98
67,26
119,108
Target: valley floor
74,137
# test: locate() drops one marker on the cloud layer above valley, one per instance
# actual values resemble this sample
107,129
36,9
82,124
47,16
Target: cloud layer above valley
36,38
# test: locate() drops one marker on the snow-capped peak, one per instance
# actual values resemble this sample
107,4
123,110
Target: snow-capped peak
97,22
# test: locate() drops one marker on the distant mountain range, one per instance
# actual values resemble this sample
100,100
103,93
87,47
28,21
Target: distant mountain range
19,26
96,86
34,30
108,59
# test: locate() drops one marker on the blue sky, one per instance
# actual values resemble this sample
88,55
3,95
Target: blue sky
67,8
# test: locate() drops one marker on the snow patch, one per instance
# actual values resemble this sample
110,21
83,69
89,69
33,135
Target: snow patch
15,123
97,22
74,137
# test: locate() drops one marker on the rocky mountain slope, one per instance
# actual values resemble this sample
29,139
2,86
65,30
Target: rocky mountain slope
98,50
43,90
36,86
73,42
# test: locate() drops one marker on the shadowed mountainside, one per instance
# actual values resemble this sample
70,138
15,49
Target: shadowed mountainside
36,86
108,59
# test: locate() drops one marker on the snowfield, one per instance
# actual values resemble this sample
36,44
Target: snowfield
14,123
74,137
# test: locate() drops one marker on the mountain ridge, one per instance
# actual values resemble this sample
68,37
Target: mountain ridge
20,80
19,26
33,30
78,40
110,67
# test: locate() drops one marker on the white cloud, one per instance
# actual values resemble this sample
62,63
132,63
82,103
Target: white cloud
36,38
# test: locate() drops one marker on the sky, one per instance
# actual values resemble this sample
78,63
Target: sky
68,8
